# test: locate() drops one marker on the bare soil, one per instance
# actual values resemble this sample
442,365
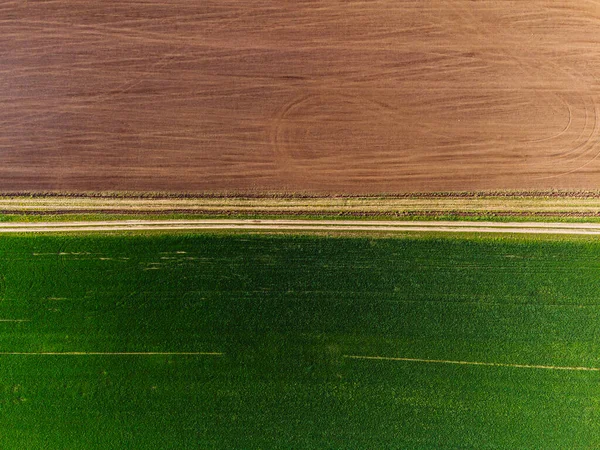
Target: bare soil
304,96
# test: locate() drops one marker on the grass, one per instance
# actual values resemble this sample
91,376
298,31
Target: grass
284,310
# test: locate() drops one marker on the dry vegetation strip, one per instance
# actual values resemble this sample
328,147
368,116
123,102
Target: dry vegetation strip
468,206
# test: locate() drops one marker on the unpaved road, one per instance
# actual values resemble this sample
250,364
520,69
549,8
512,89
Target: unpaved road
305,225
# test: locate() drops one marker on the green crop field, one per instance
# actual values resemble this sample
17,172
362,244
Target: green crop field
273,323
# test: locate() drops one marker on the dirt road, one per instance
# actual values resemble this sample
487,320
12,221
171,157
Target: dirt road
302,96
306,225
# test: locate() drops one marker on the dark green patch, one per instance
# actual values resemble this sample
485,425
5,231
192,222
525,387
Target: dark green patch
284,311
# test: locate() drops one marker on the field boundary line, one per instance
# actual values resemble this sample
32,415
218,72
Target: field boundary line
111,354
475,363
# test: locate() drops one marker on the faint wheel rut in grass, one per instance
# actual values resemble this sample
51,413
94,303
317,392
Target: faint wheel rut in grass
2,287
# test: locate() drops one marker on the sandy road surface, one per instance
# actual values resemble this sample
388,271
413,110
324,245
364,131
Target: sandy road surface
305,225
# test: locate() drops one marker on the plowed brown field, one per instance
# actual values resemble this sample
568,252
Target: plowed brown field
317,96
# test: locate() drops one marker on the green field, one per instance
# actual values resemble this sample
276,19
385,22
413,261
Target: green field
284,312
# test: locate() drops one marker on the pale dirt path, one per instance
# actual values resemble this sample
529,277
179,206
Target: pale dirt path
111,354
475,363
304,225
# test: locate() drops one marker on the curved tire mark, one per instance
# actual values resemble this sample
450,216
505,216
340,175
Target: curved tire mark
290,166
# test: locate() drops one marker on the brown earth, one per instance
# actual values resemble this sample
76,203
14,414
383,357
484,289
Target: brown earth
299,96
